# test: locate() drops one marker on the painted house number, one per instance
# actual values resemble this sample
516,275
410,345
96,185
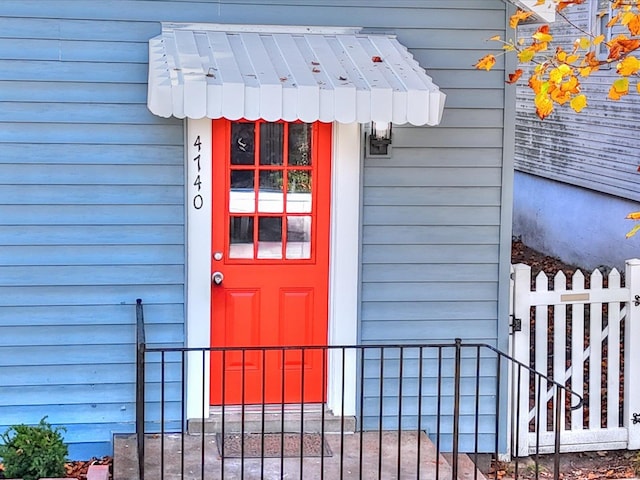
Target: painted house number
198,201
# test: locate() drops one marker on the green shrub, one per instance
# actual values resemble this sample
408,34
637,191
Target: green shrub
32,452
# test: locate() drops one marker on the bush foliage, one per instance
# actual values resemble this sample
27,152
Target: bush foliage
32,452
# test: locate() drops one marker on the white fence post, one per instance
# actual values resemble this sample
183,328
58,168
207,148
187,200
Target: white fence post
632,354
520,350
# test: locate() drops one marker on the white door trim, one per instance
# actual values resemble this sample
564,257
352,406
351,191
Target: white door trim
343,264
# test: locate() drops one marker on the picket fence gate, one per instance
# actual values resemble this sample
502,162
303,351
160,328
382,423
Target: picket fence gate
588,339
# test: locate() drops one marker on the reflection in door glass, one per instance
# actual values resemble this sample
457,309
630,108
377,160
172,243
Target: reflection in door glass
242,195
299,191
242,143
271,140
300,144
241,237
299,237
270,194
270,237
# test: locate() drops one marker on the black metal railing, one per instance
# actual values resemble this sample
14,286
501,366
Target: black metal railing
401,411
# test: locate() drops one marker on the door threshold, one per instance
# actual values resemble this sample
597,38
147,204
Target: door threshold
270,408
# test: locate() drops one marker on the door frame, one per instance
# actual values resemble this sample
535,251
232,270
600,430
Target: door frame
344,255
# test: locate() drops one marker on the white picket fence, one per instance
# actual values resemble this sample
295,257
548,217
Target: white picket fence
574,335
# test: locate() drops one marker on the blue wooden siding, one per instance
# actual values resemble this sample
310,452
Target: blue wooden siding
92,211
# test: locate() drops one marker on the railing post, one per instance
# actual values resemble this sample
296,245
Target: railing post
632,354
140,377
456,409
520,350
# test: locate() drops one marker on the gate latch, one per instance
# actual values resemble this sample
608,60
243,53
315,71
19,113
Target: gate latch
636,418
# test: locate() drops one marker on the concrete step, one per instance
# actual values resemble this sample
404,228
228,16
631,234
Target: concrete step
466,468
273,419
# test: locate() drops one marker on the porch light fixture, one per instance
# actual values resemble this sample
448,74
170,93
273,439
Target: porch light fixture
379,142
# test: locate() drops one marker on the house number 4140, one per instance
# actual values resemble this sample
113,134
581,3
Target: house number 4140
197,198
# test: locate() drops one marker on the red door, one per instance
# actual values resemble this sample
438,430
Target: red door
270,246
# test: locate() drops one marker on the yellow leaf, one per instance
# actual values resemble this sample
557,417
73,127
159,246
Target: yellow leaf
598,40
585,43
585,72
539,2
521,41
487,62
628,66
544,105
626,18
572,58
633,231
508,47
578,103
633,216
638,87
542,37
518,17
562,56
619,89
526,55
513,77
495,37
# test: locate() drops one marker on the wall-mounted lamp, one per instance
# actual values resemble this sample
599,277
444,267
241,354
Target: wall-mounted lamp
379,142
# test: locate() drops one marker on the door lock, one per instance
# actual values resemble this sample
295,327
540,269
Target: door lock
217,278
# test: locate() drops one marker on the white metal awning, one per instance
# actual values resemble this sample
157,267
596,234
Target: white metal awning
288,73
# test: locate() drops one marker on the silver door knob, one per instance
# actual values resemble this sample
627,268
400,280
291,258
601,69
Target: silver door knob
217,278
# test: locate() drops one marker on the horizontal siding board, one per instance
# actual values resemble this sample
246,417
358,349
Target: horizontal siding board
416,215
39,90
432,196
90,176
101,235
424,292
52,112
108,373
88,294
42,275
32,70
385,254
79,394
91,134
80,315
92,255
428,311
131,194
443,329
78,334
474,98
430,235
94,154
434,177
56,29
73,51
439,157
439,137
381,273
91,214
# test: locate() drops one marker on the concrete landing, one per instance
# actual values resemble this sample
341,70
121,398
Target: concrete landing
379,459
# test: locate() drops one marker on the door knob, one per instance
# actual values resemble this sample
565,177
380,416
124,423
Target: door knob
217,278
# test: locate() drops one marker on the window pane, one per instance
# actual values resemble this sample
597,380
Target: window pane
300,144
271,140
299,191
241,237
270,194
299,237
242,143
269,237
242,195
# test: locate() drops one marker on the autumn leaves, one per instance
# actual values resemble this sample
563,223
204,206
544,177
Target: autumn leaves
556,73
